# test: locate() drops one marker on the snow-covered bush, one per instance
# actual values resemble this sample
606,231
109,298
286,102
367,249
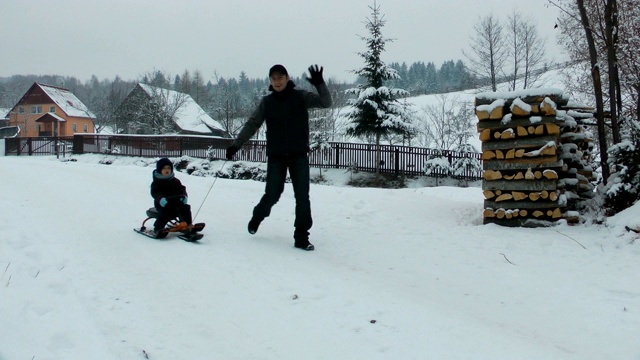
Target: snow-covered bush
437,165
115,150
461,166
245,171
623,185
210,153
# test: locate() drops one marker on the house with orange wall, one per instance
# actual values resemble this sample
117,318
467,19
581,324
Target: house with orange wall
46,110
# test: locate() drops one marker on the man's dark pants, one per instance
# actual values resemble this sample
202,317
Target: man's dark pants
298,166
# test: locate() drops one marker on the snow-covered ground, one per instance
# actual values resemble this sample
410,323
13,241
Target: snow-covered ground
397,274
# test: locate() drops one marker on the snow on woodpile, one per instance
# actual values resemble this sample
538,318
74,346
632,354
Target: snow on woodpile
535,157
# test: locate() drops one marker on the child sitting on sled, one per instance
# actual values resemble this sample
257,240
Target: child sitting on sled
169,197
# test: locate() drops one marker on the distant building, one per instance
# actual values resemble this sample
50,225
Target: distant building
4,117
153,110
46,110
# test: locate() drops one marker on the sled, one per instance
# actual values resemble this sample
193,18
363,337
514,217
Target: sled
173,226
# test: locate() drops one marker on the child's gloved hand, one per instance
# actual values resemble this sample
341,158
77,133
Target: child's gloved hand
163,202
185,200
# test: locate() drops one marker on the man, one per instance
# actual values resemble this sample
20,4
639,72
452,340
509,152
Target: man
285,110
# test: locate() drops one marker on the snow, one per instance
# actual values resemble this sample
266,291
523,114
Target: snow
551,103
521,104
397,274
540,91
490,107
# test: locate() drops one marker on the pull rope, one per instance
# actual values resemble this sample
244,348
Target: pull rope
211,187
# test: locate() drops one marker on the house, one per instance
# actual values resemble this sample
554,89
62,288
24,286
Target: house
46,110
152,110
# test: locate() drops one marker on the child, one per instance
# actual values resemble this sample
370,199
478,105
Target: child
169,197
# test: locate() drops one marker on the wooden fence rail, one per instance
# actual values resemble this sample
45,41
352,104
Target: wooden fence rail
398,160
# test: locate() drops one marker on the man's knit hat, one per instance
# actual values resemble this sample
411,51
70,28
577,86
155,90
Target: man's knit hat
278,69
162,163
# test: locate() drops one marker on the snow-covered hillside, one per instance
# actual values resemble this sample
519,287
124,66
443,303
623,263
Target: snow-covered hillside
420,104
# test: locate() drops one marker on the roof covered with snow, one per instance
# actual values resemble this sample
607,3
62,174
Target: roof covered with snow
4,113
67,101
190,116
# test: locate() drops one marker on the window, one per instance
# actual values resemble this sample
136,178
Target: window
52,109
21,110
75,127
36,109
86,128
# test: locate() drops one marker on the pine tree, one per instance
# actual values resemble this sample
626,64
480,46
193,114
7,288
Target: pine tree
463,166
376,110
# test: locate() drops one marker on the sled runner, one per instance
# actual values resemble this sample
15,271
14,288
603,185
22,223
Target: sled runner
173,226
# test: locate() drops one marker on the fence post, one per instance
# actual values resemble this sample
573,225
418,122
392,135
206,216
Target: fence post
29,146
397,161
337,156
78,144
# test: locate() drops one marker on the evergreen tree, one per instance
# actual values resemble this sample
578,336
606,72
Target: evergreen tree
431,79
418,77
463,166
376,110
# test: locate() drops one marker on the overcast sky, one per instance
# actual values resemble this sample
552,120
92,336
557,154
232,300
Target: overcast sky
129,38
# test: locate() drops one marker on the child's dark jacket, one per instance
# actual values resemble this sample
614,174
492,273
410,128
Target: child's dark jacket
168,187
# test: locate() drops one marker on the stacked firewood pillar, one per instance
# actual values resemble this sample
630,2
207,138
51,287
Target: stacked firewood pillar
534,158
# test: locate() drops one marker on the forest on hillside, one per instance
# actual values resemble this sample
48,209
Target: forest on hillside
213,94
227,100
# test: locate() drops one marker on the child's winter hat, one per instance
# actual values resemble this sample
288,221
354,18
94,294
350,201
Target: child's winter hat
162,163
278,69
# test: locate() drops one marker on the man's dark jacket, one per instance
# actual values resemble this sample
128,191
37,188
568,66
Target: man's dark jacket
287,119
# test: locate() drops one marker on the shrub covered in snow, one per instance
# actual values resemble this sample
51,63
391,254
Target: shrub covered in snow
623,185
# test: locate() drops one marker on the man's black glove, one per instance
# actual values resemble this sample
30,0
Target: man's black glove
316,75
232,150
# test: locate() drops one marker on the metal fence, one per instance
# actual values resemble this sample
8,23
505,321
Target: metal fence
45,145
398,160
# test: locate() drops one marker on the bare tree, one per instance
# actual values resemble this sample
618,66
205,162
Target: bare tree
227,105
604,41
629,58
330,123
534,55
488,47
514,48
447,123
525,51
103,100
198,89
